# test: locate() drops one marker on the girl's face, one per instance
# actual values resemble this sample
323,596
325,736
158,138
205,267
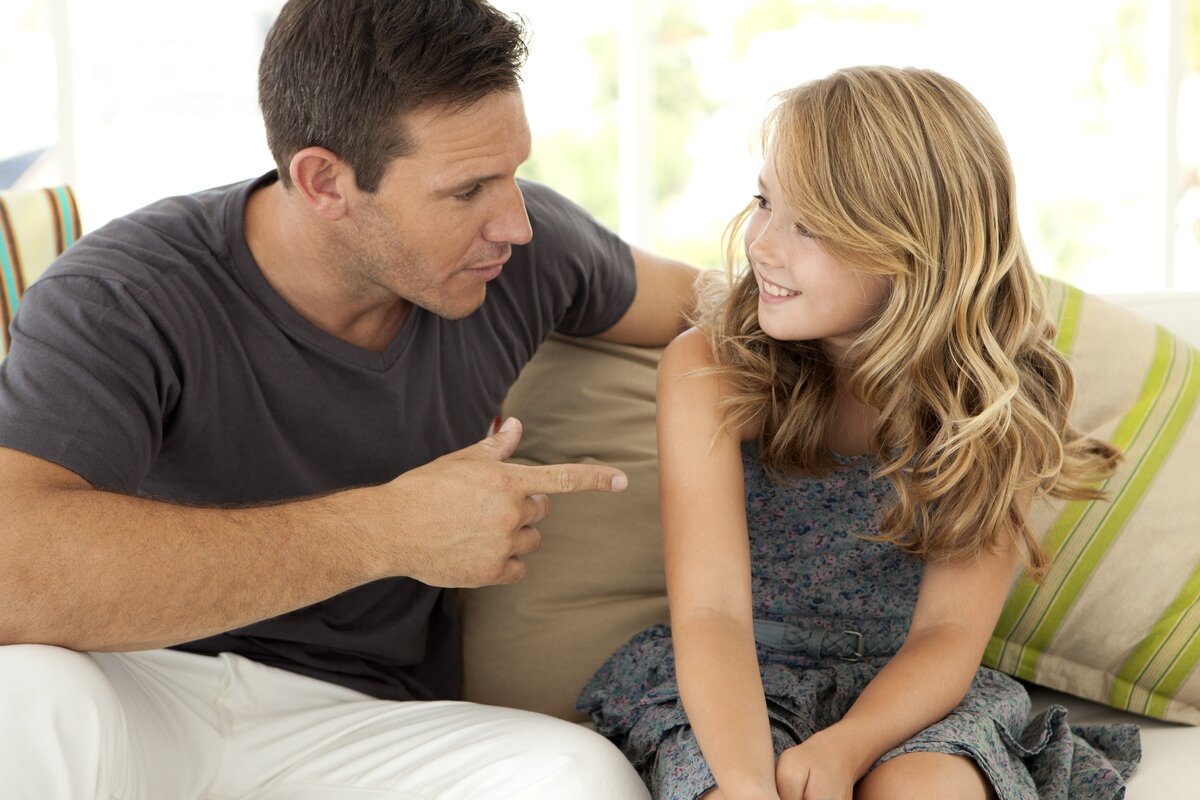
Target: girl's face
805,294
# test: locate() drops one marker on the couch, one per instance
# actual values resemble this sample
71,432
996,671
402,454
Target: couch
1113,634
1124,602
35,226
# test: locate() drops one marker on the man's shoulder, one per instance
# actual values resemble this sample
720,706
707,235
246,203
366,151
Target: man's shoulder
549,207
560,223
208,217
170,237
539,193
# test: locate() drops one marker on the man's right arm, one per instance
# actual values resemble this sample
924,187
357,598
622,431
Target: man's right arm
95,570
665,300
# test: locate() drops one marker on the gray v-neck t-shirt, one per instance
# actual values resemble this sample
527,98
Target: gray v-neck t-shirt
154,359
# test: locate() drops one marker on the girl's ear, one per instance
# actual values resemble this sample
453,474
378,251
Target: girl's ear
323,179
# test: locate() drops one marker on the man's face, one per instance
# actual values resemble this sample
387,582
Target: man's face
445,217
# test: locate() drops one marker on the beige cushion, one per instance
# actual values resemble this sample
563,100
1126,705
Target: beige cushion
597,578
1117,619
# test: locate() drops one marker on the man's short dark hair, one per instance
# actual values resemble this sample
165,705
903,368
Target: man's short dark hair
340,74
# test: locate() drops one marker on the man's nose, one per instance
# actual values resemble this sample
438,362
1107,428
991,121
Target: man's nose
511,225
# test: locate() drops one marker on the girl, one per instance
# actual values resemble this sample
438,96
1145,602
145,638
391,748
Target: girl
849,440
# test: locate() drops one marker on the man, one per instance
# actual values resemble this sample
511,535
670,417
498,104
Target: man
239,442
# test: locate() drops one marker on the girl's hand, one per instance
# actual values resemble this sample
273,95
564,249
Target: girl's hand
720,794
814,770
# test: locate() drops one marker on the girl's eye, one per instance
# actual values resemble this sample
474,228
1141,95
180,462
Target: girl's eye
803,230
762,202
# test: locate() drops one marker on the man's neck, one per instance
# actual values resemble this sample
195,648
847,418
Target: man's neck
305,269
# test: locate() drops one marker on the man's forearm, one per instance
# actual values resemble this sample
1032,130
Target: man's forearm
102,571
93,570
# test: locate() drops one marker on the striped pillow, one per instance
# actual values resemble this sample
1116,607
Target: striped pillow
35,226
1117,618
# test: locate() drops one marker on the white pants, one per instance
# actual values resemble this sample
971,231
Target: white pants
165,725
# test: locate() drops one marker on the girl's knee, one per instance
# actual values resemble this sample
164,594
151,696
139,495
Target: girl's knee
919,776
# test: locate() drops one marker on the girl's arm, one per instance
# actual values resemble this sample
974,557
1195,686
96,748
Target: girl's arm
707,561
957,608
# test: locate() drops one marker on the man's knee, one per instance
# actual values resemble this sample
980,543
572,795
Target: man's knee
44,687
537,756
576,763
56,714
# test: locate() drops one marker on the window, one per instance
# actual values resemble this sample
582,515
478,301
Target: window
165,98
646,111
154,98
1186,222
29,75
1099,104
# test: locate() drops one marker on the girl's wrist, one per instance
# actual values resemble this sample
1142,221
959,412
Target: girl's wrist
846,747
749,788
749,793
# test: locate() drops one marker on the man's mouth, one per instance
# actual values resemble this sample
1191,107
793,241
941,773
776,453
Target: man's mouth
487,271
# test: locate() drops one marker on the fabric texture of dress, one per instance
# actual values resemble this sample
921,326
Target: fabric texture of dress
812,569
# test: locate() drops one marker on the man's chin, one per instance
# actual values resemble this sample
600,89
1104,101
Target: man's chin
461,309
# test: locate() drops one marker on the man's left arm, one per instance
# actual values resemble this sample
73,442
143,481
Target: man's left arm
666,295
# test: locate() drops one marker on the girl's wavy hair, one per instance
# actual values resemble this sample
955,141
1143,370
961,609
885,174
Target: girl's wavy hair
902,173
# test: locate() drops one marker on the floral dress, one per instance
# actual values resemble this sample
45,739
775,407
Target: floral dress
813,576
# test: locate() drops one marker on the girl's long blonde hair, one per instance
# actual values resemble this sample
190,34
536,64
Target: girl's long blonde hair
902,173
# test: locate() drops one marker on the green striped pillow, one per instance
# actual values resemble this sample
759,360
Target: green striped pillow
1117,619
35,226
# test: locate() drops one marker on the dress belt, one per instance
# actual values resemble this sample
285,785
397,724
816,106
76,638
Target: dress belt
847,645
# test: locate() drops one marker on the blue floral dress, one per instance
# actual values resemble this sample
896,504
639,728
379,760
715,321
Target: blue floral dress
812,572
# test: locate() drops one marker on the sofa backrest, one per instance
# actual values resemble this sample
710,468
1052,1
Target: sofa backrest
1116,620
36,225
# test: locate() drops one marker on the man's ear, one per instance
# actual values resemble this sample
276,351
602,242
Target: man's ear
323,180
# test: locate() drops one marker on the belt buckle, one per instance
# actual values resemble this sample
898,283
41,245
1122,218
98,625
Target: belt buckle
858,647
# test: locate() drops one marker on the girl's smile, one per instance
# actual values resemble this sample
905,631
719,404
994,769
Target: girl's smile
839,300
774,293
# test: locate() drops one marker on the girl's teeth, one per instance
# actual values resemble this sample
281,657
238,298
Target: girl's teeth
777,291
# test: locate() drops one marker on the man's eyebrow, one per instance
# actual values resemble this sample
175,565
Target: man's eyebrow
467,184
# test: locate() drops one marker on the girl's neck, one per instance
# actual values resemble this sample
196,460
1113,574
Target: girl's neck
835,348
850,426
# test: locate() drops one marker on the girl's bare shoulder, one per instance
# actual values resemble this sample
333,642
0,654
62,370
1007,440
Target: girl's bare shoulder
688,373
688,351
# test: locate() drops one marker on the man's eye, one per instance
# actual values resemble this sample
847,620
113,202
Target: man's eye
470,193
